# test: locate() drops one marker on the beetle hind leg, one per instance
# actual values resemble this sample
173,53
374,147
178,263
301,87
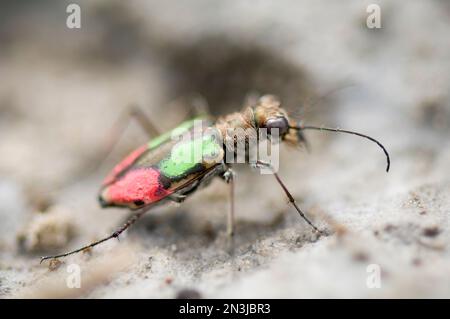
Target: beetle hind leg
133,219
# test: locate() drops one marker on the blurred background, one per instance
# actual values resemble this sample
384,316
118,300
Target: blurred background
62,89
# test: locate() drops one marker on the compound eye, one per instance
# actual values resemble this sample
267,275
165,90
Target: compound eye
279,123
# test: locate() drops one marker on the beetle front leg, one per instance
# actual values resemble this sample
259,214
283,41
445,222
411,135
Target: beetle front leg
288,194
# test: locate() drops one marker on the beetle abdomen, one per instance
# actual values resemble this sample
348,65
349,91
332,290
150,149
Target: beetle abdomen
138,187
149,174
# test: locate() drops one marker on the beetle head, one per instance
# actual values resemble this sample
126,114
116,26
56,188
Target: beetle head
269,114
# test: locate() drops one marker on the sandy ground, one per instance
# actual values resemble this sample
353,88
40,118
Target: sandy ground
61,90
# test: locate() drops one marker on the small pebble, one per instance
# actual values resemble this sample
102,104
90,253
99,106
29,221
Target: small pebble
188,294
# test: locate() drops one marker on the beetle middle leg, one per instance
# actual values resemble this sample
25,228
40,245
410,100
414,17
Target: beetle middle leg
228,177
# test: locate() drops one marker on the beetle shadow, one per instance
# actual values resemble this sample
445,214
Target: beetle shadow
179,228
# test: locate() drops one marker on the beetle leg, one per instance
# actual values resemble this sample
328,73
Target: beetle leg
116,234
228,177
178,198
288,194
119,127
143,120
196,105
115,132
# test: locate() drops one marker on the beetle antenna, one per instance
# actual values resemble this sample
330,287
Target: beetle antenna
338,130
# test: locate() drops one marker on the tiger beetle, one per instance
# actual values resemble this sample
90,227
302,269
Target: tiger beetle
163,170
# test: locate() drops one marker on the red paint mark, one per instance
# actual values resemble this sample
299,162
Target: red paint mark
125,163
136,185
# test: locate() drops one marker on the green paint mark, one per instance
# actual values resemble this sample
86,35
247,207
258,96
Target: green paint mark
187,155
180,129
